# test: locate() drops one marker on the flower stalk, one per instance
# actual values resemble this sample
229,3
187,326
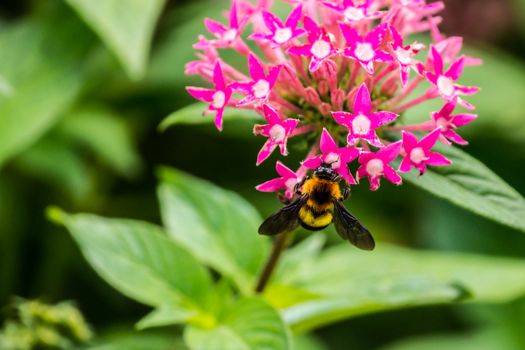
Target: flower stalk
279,245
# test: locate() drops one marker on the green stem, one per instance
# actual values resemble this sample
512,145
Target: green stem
278,247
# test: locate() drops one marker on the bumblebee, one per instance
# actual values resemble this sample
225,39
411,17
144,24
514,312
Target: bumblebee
318,203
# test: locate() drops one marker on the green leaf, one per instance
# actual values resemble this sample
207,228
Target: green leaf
469,184
351,282
125,26
217,226
166,316
192,115
104,133
250,324
141,341
139,260
44,77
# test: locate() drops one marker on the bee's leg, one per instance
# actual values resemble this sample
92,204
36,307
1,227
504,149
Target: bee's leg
299,185
346,191
283,199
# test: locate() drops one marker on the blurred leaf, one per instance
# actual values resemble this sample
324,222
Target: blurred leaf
138,259
101,130
308,342
217,226
45,78
352,283
165,316
53,161
489,339
125,26
250,324
142,341
469,184
192,114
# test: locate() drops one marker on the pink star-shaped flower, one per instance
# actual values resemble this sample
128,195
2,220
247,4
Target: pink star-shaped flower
319,47
337,157
375,165
444,82
447,123
281,33
404,55
226,35
362,123
352,11
365,50
217,98
260,88
419,154
286,182
277,130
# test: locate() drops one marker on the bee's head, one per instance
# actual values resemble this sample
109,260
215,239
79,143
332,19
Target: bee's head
325,171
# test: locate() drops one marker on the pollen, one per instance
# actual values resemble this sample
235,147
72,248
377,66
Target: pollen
282,35
354,14
219,99
261,88
320,49
375,167
229,35
361,125
445,85
364,52
277,133
417,155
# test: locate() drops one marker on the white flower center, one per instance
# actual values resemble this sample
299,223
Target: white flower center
375,167
261,88
361,125
417,155
277,133
404,56
333,159
282,35
442,123
320,49
354,14
219,98
364,52
445,85
229,35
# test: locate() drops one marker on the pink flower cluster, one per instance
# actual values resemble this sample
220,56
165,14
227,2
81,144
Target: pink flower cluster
338,74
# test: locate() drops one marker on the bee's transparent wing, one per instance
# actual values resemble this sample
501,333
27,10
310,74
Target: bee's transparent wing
350,229
284,220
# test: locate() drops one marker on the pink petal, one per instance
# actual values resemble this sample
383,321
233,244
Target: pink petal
234,23
294,17
468,90
348,154
373,139
214,27
312,163
362,103
342,118
454,137
392,176
312,28
383,56
304,50
271,115
273,75
218,119
390,152
255,67
374,183
265,152
375,37
463,119
406,165
438,61
284,171
436,159
447,109
430,140
218,77
202,94
385,117
350,34
271,186
327,143
456,69
409,141
271,21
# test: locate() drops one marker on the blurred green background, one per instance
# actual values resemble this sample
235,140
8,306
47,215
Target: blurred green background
79,116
